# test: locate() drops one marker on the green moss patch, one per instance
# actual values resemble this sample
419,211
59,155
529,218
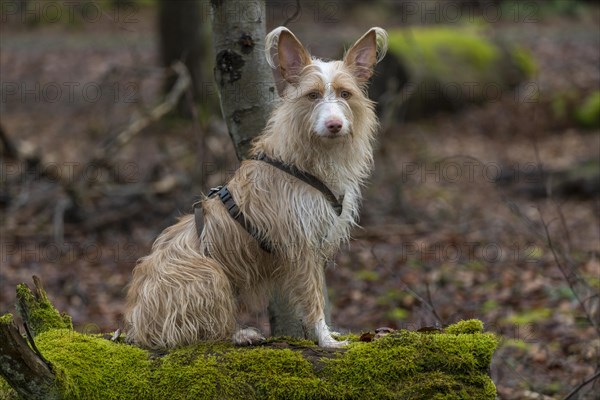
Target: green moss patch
588,113
89,367
6,319
41,313
437,51
6,392
459,64
411,365
406,365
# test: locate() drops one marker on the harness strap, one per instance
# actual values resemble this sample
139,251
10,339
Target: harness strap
233,210
307,178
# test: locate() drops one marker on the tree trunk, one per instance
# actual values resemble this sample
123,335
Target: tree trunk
243,77
184,36
247,91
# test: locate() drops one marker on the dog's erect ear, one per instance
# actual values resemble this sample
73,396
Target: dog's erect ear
292,57
366,52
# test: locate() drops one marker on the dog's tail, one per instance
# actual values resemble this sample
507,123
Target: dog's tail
179,296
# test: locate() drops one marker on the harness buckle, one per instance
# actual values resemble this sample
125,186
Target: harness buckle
214,191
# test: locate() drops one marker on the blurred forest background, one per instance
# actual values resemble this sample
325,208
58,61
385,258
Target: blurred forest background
484,203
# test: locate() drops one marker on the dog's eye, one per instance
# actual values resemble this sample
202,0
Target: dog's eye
345,94
313,95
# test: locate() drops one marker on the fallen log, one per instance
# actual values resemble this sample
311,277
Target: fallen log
452,364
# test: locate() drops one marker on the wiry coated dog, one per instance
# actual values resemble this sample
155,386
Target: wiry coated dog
189,288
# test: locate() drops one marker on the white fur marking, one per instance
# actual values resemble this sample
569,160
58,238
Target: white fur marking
324,336
247,337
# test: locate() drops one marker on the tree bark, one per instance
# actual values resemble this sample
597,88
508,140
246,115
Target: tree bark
24,370
243,77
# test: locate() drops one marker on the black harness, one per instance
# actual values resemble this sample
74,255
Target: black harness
234,210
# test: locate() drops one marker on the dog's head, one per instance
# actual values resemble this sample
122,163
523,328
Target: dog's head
332,94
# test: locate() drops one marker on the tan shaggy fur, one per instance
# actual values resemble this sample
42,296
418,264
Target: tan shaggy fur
189,289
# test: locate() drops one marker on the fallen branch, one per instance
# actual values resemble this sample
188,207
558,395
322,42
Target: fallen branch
179,89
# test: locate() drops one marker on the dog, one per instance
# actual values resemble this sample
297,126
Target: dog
190,286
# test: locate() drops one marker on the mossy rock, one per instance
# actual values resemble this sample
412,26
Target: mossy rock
446,67
402,365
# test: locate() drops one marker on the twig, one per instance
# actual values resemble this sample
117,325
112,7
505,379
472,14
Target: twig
581,385
430,302
569,274
9,150
567,269
58,220
170,102
427,303
561,215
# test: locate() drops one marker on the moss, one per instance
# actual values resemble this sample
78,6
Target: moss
407,365
368,275
411,365
437,51
524,60
459,63
468,326
528,317
588,114
89,367
274,374
193,371
6,319
397,314
42,314
7,392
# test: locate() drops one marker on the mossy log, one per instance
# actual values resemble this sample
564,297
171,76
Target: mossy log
406,365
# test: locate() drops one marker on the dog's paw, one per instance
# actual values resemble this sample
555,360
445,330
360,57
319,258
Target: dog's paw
247,337
331,343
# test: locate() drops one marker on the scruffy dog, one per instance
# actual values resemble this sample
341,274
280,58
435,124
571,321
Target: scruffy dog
189,288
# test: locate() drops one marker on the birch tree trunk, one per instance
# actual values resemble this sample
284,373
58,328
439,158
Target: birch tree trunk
247,92
243,77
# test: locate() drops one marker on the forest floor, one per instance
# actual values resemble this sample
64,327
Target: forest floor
441,239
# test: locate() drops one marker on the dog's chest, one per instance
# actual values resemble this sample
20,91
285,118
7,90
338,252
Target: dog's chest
288,210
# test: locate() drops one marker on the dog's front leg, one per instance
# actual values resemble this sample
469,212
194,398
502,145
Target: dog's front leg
324,336
307,293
